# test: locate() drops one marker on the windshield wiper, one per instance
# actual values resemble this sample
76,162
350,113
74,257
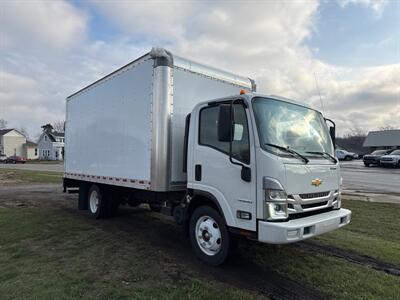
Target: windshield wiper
294,153
324,154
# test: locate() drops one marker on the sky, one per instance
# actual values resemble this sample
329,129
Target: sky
348,51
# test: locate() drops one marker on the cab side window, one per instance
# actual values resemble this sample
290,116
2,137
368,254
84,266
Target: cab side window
208,132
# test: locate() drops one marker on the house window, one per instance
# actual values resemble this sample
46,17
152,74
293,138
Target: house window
35,151
45,138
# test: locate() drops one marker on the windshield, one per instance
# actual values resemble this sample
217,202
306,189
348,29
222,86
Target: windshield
377,152
289,125
396,152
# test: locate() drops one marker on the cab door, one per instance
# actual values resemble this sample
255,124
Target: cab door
215,173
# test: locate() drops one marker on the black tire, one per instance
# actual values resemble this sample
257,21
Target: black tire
100,211
347,158
366,164
226,242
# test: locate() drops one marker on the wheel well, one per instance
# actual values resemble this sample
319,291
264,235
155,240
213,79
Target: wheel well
201,200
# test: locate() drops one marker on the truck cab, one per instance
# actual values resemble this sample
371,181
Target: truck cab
267,166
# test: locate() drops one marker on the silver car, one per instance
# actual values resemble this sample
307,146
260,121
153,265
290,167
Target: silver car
392,159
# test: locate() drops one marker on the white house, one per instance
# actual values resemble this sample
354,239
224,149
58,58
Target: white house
31,150
14,142
51,144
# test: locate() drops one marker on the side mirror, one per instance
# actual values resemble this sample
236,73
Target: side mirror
225,123
332,133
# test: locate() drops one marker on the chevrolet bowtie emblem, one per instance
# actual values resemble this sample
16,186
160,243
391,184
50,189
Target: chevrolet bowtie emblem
316,182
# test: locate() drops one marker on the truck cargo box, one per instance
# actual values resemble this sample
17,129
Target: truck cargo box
127,129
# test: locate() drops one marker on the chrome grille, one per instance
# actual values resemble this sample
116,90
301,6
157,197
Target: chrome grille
312,205
314,195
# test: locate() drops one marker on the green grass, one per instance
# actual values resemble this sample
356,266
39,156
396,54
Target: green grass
334,277
373,231
49,253
54,255
31,176
44,162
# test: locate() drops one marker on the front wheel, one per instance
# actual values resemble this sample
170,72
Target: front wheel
366,164
209,236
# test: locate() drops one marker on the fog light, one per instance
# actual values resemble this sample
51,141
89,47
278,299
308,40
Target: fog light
293,233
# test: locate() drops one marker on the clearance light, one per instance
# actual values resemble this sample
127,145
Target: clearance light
242,92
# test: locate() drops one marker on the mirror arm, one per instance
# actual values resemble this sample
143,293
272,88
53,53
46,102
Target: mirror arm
245,173
231,137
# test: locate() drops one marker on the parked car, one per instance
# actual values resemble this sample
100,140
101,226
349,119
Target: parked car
3,158
345,155
15,160
375,157
392,159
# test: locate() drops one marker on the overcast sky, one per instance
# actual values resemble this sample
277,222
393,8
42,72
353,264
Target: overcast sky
49,49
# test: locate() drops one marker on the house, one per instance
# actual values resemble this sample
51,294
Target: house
12,142
51,144
384,139
31,150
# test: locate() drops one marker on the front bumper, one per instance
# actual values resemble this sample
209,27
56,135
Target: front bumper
303,228
388,163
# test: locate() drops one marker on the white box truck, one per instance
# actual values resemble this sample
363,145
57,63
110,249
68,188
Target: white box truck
198,144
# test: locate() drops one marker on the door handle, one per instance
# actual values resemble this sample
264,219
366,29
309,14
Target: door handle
197,172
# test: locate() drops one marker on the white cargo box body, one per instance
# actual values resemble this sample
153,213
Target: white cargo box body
127,129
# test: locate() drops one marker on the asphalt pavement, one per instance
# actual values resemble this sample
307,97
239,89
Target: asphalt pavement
357,177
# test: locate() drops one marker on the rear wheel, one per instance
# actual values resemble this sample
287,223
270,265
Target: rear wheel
348,157
97,202
209,236
366,164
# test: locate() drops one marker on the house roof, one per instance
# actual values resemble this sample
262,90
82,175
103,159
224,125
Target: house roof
58,134
53,135
382,138
4,131
31,144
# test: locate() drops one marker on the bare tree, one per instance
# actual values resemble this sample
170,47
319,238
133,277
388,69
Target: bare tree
58,125
24,131
356,132
387,127
352,140
3,123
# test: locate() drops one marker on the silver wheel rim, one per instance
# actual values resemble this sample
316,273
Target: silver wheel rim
208,235
94,201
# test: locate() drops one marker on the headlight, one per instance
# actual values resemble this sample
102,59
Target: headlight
276,195
276,204
276,211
